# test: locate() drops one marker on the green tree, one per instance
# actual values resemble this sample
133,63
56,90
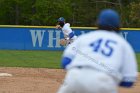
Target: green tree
15,12
6,10
134,14
48,11
84,13
78,12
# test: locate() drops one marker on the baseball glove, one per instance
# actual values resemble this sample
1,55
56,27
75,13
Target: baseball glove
63,42
58,26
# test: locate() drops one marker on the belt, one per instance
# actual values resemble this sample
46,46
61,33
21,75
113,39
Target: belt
83,67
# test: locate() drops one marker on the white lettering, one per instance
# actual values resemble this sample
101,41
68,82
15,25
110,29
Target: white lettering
51,38
37,35
82,32
124,35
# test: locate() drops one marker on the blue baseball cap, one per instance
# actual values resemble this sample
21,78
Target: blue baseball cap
61,19
109,17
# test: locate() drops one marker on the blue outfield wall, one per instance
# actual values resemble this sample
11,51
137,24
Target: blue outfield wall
47,38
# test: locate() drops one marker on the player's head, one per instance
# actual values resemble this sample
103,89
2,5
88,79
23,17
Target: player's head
61,21
109,20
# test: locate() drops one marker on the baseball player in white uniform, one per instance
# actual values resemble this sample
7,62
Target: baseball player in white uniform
69,35
99,61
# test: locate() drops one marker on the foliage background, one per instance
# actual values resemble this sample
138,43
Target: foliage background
77,12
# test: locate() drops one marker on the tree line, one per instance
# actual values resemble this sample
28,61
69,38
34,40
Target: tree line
77,12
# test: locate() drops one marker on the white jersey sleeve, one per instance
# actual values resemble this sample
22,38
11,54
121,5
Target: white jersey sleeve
129,66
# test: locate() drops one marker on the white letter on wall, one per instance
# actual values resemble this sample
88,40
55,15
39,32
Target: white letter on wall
52,38
37,35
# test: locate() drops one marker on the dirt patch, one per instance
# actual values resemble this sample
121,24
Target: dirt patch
39,80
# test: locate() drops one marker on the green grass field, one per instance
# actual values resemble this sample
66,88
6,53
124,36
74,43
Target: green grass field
35,59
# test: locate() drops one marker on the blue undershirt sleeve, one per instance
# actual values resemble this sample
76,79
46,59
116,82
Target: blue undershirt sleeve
71,35
65,62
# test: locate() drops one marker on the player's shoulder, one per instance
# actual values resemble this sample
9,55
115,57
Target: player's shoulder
104,34
66,25
127,46
110,34
93,34
122,41
85,36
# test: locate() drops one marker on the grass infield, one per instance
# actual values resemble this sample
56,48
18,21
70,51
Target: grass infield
35,59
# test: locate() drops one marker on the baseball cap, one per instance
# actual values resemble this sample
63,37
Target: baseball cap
61,19
109,17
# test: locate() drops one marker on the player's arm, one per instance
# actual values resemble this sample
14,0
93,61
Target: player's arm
66,61
58,26
129,68
69,54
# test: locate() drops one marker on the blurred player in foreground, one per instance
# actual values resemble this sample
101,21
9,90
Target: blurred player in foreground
99,61
69,35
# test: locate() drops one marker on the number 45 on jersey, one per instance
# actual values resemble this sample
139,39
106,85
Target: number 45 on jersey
103,46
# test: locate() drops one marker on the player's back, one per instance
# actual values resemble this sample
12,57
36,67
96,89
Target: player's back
68,33
102,50
101,59
66,29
